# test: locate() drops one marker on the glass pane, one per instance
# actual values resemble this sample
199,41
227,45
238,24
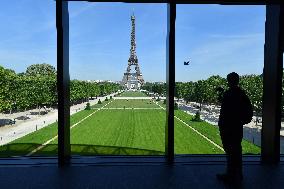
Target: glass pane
117,52
211,42
28,99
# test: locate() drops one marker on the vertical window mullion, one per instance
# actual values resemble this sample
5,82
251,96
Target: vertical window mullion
272,86
63,80
169,132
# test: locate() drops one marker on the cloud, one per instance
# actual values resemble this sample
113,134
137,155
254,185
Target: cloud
220,46
77,12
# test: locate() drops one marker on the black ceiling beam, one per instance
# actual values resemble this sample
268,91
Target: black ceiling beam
224,2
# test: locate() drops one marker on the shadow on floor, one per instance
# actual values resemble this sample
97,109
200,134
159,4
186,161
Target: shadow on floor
21,149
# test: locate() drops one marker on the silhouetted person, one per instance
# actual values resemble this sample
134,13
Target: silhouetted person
236,110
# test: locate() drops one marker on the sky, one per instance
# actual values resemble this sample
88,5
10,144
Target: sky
216,39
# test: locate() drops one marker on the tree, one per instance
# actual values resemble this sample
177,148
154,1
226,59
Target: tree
37,88
94,90
41,70
178,90
253,86
8,89
42,91
200,92
158,88
211,96
189,91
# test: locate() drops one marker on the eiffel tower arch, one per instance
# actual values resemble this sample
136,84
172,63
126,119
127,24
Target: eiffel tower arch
132,80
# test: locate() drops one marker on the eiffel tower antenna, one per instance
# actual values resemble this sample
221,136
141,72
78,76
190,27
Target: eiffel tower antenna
132,81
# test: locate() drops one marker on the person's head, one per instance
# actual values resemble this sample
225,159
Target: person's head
233,79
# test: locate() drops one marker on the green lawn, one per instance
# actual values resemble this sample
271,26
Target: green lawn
125,132
130,103
161,103
212,132
132,94
135,129
140,132
26,144
104,102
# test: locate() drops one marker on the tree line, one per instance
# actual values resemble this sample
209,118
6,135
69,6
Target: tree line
37,87
204,91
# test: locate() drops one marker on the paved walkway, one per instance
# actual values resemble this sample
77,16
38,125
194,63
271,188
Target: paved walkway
35,122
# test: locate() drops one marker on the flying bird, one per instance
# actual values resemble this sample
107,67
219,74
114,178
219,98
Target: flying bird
186,63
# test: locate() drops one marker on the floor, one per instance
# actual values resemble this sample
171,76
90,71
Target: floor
134,172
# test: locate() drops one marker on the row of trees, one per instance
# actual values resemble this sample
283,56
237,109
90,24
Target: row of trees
159,88
81,91
38,87
204,91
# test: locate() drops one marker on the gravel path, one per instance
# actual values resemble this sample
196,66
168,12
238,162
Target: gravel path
9,133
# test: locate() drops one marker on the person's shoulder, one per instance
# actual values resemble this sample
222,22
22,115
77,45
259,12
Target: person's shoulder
238,90
229,91
227,95
234,92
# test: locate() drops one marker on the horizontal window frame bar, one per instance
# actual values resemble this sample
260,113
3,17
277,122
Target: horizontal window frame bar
221,2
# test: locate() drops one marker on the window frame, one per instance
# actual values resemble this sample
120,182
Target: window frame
272,83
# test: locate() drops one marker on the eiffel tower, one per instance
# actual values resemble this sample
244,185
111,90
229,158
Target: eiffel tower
132,81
